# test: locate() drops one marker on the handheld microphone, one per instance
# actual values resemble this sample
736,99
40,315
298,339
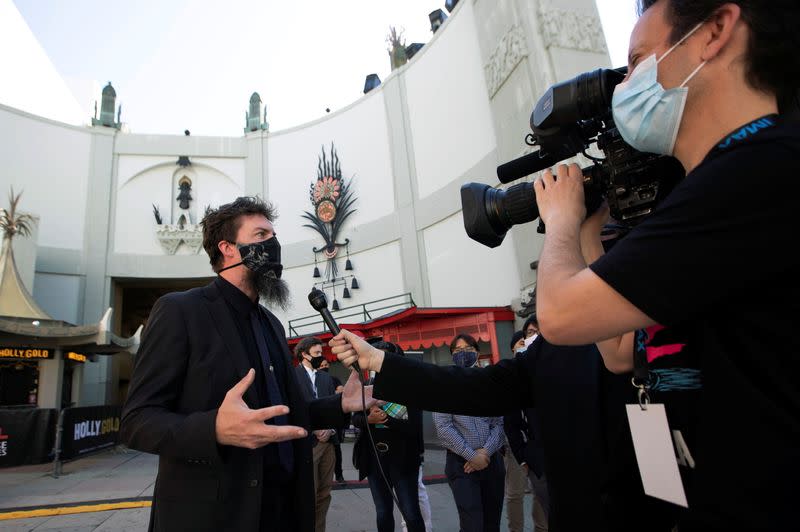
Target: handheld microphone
320,303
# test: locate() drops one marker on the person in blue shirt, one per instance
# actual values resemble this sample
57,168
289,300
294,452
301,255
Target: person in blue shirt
474,465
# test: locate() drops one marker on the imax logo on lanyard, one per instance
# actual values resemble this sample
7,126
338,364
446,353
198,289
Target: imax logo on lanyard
747,131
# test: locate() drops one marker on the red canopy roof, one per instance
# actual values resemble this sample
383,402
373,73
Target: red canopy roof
420,328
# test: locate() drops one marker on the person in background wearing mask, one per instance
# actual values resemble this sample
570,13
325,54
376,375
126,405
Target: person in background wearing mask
316,384
473,463
530,329
705,79
337,442
516,475
214,395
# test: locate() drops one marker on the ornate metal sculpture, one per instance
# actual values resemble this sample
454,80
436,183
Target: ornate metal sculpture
333,202
183,229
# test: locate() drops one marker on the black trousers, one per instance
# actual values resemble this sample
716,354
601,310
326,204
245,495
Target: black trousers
478,495
337,450
277,505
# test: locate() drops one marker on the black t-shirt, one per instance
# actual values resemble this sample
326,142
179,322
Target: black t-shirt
716,257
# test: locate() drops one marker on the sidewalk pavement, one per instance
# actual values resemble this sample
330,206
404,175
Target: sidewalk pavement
123,474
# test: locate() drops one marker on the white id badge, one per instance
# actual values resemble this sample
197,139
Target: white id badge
654,453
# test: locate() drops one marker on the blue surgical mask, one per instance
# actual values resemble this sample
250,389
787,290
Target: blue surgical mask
465,359
648,116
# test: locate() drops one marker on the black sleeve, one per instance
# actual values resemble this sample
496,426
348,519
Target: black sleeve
715,232
358,420
405,426
149,421
326,412
514,426
490,391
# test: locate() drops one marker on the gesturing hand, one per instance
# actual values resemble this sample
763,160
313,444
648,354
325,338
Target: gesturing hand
240,426
351,396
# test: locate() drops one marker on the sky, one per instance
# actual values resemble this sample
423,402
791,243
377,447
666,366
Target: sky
193,64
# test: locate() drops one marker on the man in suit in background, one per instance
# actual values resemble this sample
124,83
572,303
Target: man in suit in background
315,384
337,444
214,395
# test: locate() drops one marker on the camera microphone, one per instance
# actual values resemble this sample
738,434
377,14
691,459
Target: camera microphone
526,165
320,303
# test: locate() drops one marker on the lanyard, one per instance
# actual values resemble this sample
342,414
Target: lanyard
641,369
744,133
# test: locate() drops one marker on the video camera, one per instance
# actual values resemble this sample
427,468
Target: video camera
567,120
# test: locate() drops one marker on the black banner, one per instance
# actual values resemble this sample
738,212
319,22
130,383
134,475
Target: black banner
26,435
88,429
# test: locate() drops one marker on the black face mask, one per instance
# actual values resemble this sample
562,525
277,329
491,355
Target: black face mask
260,257
326,370
316,362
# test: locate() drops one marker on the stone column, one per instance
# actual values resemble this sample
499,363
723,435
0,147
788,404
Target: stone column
51,374
97,386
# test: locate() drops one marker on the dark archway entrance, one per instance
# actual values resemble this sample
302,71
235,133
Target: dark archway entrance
135,298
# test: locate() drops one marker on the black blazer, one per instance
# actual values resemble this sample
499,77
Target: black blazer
325,384
590,465
190,356
404,438
524,436
325,387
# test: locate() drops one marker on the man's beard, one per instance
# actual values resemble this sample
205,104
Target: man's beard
272,290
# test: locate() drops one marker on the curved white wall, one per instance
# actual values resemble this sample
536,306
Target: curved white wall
379,272
405,147
144,181
360,137
49,162
447,103
464,273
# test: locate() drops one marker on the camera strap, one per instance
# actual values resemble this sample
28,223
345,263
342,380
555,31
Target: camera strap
641,368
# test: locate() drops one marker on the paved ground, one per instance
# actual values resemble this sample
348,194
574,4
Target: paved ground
124,474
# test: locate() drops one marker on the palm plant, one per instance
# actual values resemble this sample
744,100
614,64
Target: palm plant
12,223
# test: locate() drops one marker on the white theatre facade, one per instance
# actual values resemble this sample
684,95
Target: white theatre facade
451,115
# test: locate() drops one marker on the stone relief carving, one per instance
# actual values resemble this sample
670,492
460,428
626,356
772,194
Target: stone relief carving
571,29
508,53
171,236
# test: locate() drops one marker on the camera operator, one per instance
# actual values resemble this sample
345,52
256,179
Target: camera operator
724,67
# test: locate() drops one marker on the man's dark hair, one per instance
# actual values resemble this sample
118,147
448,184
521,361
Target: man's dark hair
304,345
772,62
472,342
222,224
516,337
531,319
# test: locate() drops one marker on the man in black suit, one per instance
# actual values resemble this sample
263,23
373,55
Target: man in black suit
337,445
315,384
213,394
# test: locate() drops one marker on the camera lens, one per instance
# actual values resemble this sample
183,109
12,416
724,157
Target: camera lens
490,212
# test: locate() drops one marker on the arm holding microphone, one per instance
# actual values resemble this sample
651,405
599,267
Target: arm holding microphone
490,391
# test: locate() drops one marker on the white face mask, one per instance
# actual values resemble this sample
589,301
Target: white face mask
646,115
529,341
